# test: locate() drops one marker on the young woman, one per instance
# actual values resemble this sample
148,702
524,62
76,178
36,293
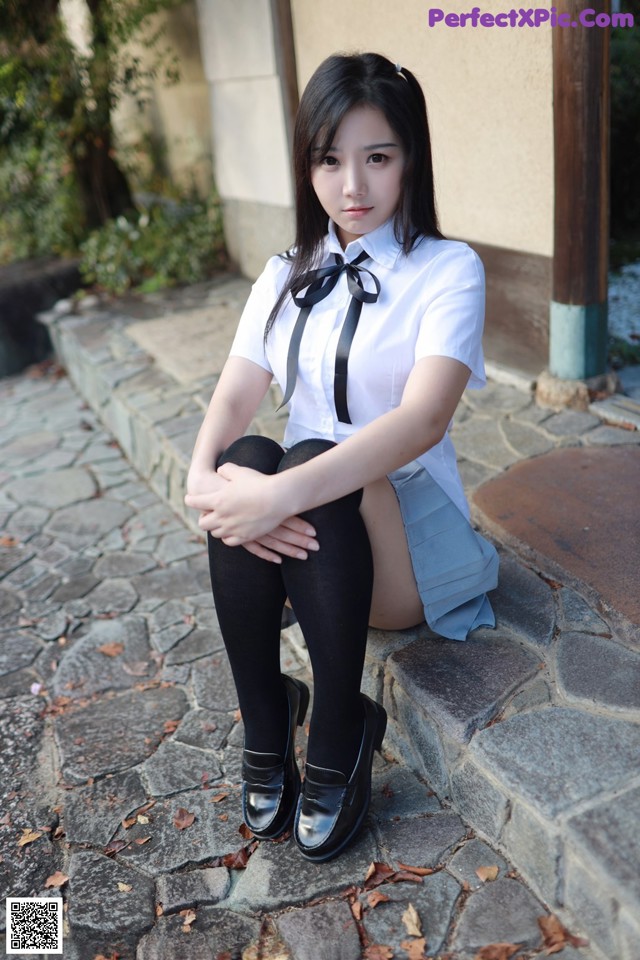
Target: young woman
372,325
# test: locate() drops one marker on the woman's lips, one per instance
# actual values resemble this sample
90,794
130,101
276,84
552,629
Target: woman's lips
357,212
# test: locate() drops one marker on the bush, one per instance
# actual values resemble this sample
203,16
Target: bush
169,243
41,209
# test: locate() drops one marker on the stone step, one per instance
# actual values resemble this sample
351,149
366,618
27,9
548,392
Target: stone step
154,416
530,732
618,410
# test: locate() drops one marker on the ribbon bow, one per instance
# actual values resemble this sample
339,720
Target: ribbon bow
320,283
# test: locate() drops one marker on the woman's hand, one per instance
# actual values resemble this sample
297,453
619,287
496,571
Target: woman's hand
240,506
203,483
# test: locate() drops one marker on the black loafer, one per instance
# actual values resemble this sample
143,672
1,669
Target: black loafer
332,809
271,785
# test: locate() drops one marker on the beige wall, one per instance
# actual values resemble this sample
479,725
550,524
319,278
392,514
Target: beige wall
489,95
178,115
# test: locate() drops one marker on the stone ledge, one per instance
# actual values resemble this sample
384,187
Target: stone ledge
618,410
441,721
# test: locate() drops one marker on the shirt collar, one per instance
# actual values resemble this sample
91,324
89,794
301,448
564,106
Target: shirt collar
380,244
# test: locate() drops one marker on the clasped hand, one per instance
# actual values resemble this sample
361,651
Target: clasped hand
240,506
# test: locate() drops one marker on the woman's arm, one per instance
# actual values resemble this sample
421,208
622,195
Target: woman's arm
431,395
251,503
238,394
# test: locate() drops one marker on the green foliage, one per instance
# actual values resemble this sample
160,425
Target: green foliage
59,171
625,126
41,209
622,353
168,244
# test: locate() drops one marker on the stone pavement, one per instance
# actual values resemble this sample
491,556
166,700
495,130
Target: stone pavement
526,738
121,742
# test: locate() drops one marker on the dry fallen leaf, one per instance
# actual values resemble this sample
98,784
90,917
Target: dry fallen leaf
111,649
376,874
356,909
115,847
415,948
142,819
159,910
57,879
218,797
487,873
243,829
183,818
378,951
141,840
189,917
236,861
556,937
7,541
497,951
412,922
419,871
124,887
403,876
28,836
375,897
129,822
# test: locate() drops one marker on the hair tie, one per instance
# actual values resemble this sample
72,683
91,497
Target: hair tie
400,73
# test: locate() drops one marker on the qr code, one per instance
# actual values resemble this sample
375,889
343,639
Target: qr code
34,925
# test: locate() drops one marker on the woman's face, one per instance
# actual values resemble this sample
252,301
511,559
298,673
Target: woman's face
358,181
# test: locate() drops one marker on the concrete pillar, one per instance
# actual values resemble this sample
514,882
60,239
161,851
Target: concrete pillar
250,104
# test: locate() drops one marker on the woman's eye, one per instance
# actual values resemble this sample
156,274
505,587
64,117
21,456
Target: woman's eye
378,157
329,161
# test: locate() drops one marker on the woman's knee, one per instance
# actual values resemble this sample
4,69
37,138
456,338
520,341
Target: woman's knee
306,450
255,451
303,451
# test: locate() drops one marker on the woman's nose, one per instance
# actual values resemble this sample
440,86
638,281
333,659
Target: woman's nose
354,181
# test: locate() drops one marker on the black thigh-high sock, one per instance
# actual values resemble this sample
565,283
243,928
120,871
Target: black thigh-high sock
330,593
249,596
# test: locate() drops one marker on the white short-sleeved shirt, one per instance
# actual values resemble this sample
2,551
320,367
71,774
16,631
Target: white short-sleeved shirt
431,303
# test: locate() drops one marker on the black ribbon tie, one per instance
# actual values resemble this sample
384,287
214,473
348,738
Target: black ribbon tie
319,284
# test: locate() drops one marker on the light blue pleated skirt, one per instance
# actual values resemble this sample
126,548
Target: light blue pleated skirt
453,565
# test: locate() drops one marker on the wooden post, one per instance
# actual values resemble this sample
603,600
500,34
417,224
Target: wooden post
578,323
286,62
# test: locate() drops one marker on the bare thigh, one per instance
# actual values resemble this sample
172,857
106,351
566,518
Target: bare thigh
396,602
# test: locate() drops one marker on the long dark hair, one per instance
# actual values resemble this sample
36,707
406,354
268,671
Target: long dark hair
340,83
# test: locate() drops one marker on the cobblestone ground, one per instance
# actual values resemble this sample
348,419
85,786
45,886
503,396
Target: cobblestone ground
121,744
